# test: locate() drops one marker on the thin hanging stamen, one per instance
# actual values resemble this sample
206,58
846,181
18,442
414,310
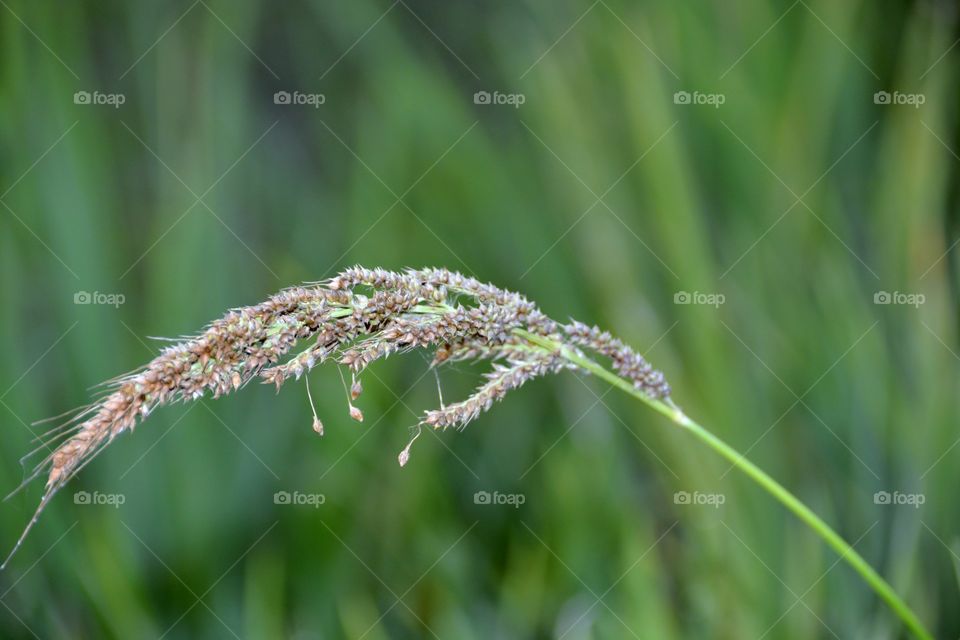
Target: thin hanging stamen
317,425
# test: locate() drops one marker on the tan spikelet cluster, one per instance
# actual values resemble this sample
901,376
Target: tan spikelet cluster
354,319
626,362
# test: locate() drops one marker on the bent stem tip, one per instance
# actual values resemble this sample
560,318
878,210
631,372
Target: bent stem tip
669,409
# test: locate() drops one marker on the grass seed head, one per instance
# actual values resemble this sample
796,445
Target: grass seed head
354,319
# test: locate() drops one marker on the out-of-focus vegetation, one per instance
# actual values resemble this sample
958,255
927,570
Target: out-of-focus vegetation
794,207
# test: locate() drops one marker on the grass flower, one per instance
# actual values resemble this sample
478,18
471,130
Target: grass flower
364,315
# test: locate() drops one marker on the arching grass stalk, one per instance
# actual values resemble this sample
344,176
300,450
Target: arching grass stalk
365,315
758,475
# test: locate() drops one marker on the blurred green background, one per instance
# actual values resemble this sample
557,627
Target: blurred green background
619,189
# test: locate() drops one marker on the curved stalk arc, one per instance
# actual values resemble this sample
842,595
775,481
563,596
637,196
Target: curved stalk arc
880,586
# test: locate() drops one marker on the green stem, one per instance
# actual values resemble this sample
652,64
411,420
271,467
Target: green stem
774,488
